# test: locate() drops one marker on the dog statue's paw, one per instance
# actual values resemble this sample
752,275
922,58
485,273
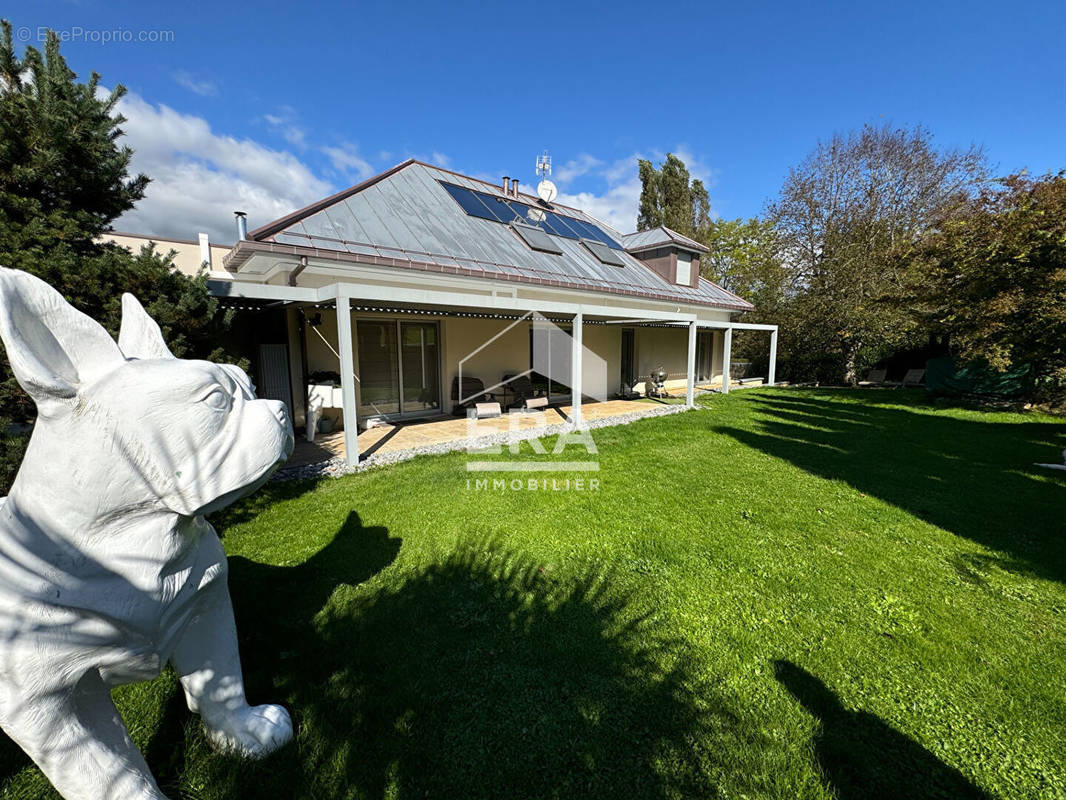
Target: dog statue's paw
252,732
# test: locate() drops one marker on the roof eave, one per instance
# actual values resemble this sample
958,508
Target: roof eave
246,249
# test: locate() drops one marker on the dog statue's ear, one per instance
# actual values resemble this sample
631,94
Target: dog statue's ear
139,335
54,350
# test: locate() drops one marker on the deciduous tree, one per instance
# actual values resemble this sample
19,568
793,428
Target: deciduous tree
994,278
848,217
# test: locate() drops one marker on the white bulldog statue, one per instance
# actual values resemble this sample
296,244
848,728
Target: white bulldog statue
108,569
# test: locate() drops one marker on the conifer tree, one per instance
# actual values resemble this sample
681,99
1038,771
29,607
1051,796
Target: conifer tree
64,178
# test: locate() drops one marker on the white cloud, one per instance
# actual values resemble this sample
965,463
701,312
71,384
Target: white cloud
284,123
200,177
346,160
203,88
441,160
617,205
575,168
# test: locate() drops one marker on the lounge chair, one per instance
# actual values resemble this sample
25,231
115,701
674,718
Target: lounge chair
875,378
914,377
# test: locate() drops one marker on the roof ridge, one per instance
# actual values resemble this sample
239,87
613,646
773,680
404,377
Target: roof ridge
675,234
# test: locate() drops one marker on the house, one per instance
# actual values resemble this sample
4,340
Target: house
188,255
438,274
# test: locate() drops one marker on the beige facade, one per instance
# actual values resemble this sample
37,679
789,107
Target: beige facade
188,254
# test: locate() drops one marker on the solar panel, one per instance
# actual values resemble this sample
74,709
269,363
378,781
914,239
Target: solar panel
498,209
604,253
503,210
469,202
590,231
536,238
557,225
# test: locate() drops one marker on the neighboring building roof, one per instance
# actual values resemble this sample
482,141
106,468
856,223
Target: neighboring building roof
405,217
660,237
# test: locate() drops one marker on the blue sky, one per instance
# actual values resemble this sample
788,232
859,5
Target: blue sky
269,106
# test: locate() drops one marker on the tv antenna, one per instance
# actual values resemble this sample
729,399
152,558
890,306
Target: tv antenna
546,190
544,165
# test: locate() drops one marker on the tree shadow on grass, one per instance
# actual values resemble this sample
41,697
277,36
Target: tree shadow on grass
864,758
970,477
480,676
477,675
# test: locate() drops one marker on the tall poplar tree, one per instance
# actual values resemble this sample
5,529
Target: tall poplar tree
670,196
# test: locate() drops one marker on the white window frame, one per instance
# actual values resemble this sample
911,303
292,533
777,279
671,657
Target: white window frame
684,278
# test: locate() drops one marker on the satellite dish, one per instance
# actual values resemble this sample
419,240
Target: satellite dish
547,191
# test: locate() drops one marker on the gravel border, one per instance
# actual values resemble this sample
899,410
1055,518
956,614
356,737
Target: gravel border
335,467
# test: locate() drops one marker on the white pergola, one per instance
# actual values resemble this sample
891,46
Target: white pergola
343,293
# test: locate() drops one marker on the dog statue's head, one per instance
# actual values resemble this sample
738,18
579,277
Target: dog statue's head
141,427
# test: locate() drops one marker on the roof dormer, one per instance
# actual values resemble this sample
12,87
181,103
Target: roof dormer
673,257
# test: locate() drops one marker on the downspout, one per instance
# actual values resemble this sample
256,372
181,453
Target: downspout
303,365
296,272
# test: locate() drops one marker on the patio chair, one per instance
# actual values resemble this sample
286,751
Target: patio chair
914,377
473,390
875,378
520,387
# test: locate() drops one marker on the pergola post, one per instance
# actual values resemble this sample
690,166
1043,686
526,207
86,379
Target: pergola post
727,347
772,374
575,369
690,391
344,340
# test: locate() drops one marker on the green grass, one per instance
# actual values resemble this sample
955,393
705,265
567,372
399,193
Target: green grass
787,593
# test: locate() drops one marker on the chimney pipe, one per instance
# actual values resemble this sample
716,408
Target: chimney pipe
242,225
514,184
506,185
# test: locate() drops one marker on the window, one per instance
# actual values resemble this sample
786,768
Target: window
684,269
605,254
498,209
536,238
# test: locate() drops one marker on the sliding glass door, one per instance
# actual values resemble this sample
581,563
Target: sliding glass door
549,358
379,368
420,366
704,355
399,367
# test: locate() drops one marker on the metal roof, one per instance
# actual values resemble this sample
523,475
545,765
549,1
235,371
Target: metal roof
404,217
660,237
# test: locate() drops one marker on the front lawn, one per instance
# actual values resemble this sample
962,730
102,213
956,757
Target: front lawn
786,593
